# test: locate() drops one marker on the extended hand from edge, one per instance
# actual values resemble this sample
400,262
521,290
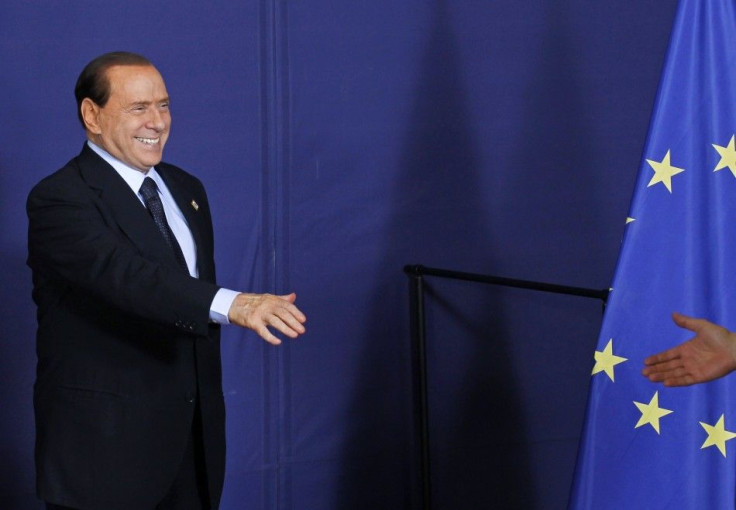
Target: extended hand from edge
710,354
259,311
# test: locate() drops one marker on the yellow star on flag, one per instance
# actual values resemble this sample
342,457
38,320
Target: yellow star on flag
663,172
630,220
651,412
728,156
605,360
717,435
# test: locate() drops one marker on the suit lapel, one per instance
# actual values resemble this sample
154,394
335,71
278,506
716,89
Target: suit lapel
184,200
127,210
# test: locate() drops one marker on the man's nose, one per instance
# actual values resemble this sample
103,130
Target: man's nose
157,120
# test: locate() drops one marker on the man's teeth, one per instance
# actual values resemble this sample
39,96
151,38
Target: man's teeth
148,141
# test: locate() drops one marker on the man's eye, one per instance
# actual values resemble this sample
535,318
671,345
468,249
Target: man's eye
164,106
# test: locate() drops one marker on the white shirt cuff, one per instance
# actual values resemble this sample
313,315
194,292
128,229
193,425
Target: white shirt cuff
221,305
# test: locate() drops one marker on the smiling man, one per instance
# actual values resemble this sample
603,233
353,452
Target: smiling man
128,399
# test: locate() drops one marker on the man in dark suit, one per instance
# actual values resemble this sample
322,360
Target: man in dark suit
128,399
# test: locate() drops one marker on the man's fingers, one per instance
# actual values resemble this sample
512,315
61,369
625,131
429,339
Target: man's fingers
685,380
296,314
266,334
288,297
663,357
293,325
679,319
686,322
292,309
276,322
656,376
664,371
291,329
285,318
665,366
289,316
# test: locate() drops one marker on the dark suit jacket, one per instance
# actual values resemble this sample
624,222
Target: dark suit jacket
124,342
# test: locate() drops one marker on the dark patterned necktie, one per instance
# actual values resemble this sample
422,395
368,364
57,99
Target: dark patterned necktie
149,192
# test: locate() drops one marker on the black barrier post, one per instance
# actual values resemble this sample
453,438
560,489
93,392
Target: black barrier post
421,404
419,344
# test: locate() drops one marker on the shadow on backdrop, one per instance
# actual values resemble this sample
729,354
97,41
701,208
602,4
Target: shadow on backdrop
555,155
560,334
435,204
17,368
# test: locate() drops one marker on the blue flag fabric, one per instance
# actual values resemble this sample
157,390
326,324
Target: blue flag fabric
646,446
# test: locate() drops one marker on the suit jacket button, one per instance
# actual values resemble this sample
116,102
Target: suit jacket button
189,397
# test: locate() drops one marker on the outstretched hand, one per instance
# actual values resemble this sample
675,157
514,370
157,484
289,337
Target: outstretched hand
261,311
710,354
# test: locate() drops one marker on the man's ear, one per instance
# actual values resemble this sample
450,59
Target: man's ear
90,114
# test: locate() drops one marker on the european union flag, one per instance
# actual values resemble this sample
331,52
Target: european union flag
646,446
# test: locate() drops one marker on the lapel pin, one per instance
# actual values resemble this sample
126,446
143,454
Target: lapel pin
195,205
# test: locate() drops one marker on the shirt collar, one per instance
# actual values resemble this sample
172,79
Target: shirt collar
133,177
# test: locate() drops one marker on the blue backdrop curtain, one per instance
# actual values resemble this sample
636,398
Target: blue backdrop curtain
339,141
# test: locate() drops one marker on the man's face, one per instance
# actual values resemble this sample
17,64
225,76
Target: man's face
134,124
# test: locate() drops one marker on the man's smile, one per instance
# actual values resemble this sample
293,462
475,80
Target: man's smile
148,141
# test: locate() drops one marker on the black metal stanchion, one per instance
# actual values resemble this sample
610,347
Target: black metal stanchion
421,404
419,345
